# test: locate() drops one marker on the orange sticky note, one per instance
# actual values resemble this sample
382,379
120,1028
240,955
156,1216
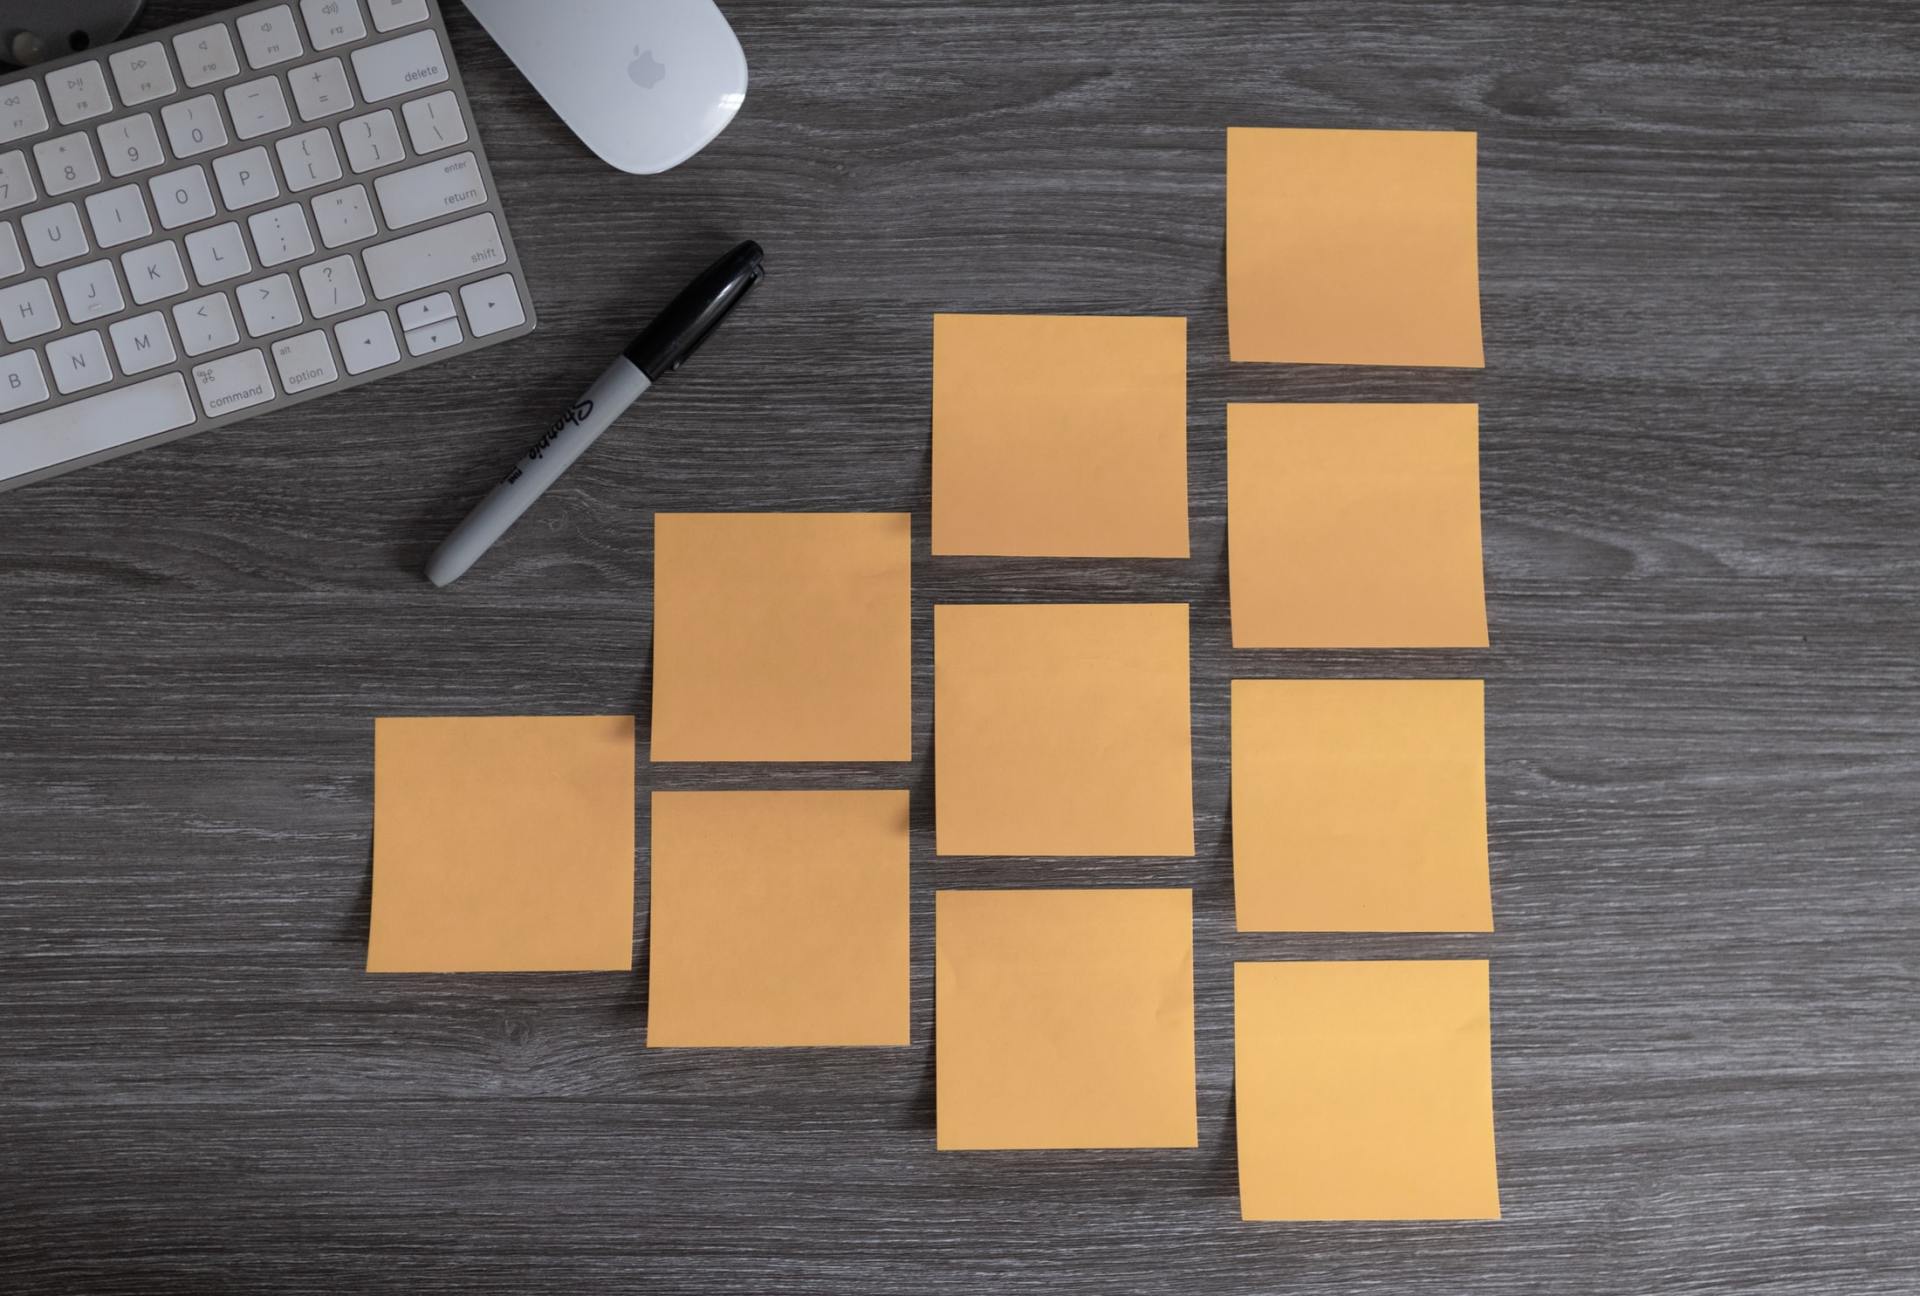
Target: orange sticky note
778,918
1364,1091
1355,526
1060,436
782,637
1353,247
502,844
1062,729
1360,805
1064,1019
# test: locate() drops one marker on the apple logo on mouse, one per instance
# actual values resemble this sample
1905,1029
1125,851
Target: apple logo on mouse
646,70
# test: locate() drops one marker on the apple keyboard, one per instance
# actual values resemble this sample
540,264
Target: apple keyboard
249,210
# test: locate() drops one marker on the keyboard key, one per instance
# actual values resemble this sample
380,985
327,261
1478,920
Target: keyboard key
218,254
194,126
142,73
131,144
21,112
26,310
435,122
320,90
366,343
437,188
434,337
154,273
142,343
493,306
434,256
66,163
281,234
372,141
181,197
233,382
308,160
344,216
22,383
305,361
426,310
79,92
389,15
205,324
257,107
206,55
90,291
332,286
269,36
245,179
104,422
269,306
118,216
332,22
54,234
16,181
11,262
397,67
78,362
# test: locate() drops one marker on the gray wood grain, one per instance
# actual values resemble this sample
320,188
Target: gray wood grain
1698,243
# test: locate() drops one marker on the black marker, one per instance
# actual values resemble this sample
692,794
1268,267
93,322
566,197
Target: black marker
662,347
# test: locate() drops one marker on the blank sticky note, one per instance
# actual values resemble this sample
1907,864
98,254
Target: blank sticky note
1062,729
1355,526
1364,1091
1060,436
778,919
1064,1019
1360,805
502,844
782,637
1352,247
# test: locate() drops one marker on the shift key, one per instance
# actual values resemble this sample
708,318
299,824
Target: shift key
434,256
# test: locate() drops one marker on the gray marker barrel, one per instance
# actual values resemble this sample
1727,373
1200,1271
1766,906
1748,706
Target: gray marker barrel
539,468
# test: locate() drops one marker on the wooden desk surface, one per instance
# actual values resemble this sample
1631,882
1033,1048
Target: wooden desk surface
1699,238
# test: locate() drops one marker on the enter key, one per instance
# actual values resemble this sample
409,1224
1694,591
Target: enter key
437,188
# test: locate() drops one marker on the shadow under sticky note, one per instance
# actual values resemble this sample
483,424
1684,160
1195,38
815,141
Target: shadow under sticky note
1062,729
778,919
1364,1091
1064,1019
1353,247
782,637
1355,526
502,844
1060,436
1360,805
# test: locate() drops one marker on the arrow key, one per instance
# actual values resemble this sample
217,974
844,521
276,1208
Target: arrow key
493,305
367,342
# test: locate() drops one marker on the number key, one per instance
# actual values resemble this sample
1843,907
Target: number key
16,181
67,163
131,144
194,126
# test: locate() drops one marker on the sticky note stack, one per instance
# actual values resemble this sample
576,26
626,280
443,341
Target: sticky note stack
1063,1018
779,918
1364,1089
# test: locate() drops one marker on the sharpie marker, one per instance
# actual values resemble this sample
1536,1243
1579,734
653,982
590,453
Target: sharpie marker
663,346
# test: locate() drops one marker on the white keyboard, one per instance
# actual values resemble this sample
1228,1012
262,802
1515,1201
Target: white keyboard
198,225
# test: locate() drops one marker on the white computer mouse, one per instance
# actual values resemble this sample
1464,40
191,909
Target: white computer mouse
645,84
